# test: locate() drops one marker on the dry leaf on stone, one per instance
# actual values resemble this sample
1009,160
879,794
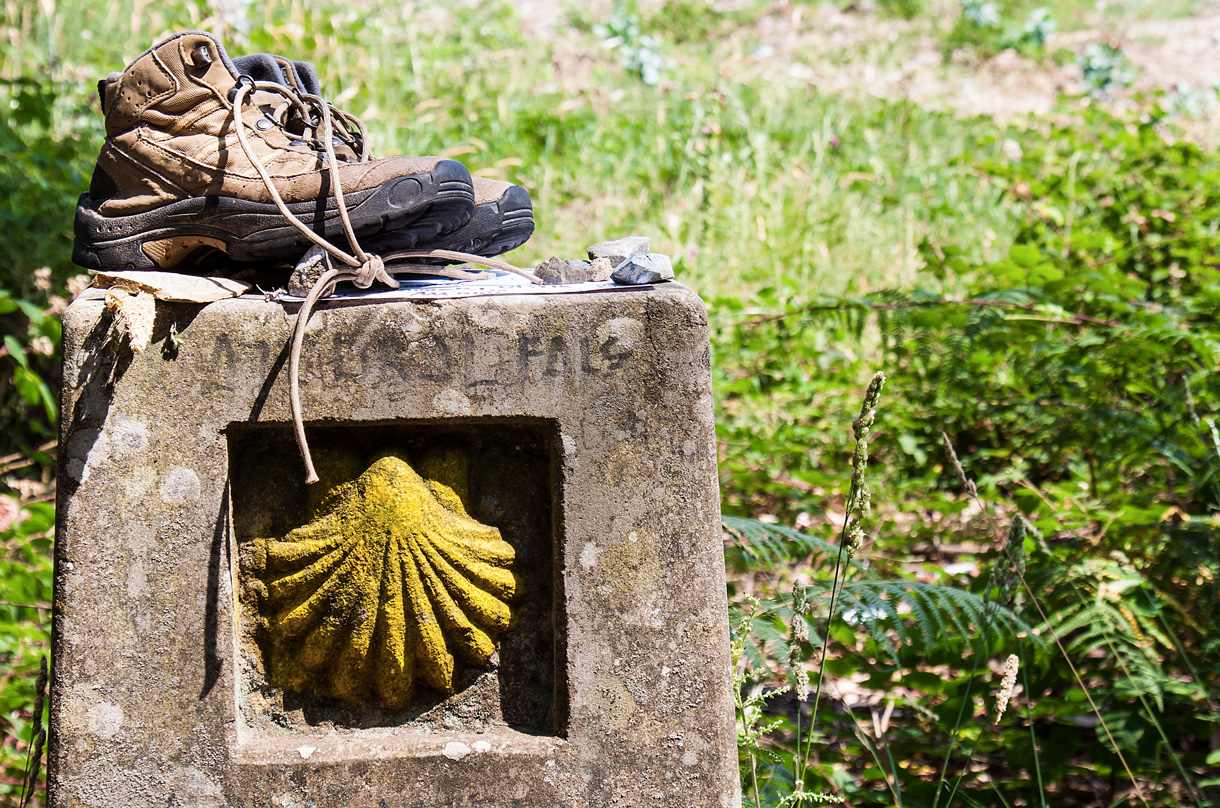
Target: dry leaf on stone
173,287
134,313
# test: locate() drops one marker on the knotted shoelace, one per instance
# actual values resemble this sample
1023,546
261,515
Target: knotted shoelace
359,267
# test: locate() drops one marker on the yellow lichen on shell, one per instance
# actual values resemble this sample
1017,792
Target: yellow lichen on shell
386,585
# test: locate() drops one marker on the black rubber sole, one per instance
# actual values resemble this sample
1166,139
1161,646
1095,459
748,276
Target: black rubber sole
190,235
495,228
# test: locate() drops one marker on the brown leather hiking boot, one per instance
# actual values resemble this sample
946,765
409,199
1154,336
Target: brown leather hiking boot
503,217
178,184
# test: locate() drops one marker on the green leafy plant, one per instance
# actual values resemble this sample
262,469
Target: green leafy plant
987,28
1105,68
1076,374
25,604
780,635
639,53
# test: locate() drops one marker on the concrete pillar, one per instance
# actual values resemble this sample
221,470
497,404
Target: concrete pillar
576,429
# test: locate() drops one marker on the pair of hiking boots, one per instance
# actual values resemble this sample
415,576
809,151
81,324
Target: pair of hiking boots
212,164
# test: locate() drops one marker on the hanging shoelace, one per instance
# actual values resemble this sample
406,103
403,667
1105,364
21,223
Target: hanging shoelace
361,268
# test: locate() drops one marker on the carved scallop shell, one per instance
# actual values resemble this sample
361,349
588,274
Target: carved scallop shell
385,587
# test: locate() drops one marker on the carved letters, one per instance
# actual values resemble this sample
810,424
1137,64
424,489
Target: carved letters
481,361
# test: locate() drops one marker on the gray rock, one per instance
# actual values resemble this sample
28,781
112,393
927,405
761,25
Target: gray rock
644,268
312,265
600,269
620,250
556,270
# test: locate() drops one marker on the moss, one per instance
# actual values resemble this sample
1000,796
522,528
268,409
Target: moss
391,584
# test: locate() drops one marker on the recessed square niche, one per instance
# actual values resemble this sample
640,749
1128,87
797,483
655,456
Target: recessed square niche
413,588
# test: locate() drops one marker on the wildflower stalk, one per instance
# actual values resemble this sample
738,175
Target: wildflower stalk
798,637
1006,685
850,537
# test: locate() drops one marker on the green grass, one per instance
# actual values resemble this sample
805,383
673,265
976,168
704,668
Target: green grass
746,180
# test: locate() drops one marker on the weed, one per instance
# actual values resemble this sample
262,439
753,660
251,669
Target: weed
639,53
1105,68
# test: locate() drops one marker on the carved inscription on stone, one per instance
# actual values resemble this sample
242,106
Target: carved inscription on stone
478,363
388,586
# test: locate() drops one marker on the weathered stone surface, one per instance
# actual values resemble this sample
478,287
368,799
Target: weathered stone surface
644,268
556,271
588,423
619,250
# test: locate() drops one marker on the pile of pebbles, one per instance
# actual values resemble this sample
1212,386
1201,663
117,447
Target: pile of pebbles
625,260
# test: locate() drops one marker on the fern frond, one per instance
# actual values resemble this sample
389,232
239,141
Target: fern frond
898,613
757,545
1119,635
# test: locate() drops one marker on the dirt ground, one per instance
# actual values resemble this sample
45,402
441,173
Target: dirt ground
858,50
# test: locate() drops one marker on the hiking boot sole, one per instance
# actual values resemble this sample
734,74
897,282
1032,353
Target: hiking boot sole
494,228
193,233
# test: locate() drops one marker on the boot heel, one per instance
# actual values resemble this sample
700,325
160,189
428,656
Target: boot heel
111,257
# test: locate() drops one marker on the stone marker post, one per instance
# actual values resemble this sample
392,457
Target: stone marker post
507,589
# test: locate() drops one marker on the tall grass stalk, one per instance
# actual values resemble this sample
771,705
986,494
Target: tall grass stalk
38,737
1029,720
1033,598
1139,792
874,750
1155,722
1016,533
856,508
1003,696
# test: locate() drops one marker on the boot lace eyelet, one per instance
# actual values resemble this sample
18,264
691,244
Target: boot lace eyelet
243,79
200,56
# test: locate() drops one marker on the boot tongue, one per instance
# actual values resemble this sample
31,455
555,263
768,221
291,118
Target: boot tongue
261,67
303,75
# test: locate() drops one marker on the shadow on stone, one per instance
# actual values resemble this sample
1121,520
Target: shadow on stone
95,377
212,661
